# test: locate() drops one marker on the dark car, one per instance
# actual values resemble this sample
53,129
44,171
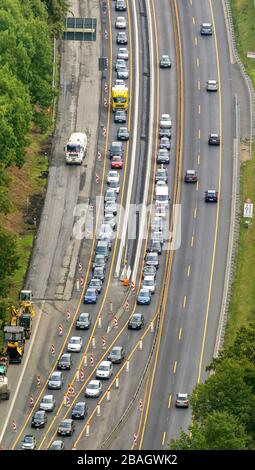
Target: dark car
136,322
154,245
90,296
65,362
99,273
99,260
211,195
190,176
57,445
121,38
120,116
66,427
123,133
116,149
214,139
80,410
96,283
152,259
165,62
83,322
206,29
144,297
116,355
39,419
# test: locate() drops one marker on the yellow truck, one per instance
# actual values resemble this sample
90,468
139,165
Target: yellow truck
119,97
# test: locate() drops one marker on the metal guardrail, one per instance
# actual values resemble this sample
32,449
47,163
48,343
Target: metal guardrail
233,237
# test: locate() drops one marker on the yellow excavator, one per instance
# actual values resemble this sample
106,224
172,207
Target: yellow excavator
20,328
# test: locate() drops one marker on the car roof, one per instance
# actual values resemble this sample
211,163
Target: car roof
214,135
86,314
191,172
116,348
48,396
105,363
182,395
75,337
206,24
66,355
94,382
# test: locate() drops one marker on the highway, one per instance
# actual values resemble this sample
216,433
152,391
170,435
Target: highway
172,351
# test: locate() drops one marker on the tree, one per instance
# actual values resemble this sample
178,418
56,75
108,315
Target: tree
9,259
225,390
219,431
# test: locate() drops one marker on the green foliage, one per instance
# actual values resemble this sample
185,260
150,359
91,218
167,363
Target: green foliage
57,10
9,260
219,431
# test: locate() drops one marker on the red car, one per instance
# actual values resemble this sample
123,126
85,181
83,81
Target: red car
117,162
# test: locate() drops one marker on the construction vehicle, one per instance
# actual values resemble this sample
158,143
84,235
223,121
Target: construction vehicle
119,97
75,149
24,314
14,343
4,389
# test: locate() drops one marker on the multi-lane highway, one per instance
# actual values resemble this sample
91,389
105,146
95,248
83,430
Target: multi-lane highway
170,354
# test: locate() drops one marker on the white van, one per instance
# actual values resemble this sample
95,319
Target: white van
161,194
76,147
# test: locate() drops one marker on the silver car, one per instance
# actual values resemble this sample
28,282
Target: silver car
149,283
165,121
212,85
55,381
123,53
48,403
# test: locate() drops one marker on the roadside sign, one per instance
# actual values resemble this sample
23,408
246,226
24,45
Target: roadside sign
248,209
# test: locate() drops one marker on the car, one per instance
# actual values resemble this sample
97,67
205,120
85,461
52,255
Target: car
165,143
123,73
105,232
123,53
165,62
149,283
80,410
151,259
120,116
149,270
214,139
102,248
163,156
212,85
116,355
39,419
66,427
55,381
161,210
120,5
98,285
75,344
190,176
110,209
104,370
211,195
28,442
118,82
165,121
144,296
47,403
154,245
157,224
83,322
112,176
91,294
110,195
157,235
57,445
110,219
99,260
93,389
182,400
136,322
206,29
99,273
117,162
121,38
123,133
115,185
161,174
119,63
65,362
165,132
121,22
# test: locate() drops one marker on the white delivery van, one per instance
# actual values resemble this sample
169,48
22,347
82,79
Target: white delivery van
76,147
161,195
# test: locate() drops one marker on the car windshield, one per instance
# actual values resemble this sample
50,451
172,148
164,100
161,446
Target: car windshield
39,414
64,424
90,292
84,316
115,352
148,282
143,293
64,359
79,407
28,439
55,377
75,340
136,318
47,400
103,367
93,386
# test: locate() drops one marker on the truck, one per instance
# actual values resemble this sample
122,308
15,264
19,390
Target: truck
4,388
76,147
14,343
119,97
23,316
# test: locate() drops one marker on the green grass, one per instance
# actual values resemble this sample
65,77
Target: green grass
242,305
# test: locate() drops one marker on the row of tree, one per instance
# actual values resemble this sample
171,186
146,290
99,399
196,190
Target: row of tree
26,31
224,406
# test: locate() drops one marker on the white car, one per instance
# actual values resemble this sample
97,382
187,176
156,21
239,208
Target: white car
165,121
74,344
105,231
120,63
115,185
149,283
121,22
212,85
182,400
112,176
104,370
123,53
47,403
93,389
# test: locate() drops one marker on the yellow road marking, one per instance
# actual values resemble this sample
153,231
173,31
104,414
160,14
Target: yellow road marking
192,241
175,367
188,272
195,213
198,85
169,401
180,333
164,438
184,301
199,134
